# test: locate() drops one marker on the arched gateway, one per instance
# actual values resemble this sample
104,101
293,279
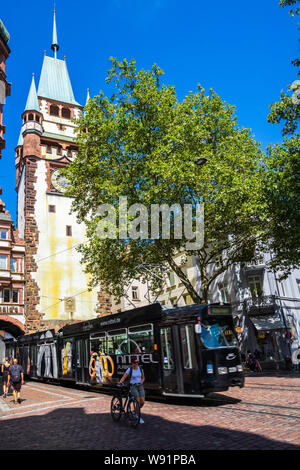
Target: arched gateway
9,326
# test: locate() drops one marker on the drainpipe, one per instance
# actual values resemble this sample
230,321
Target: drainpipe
281,308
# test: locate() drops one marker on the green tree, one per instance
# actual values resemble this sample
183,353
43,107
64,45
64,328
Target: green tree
281,195
282,204
143,143
287,110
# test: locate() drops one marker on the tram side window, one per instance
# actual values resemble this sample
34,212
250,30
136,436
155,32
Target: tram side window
86,354
98,345
117,342
78,353
33,350
140,339
167,348
66,357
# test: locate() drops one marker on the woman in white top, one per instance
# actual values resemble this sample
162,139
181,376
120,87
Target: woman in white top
137,378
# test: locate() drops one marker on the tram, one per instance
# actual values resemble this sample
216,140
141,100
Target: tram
185,352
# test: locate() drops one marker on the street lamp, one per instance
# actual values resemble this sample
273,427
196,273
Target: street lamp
201,161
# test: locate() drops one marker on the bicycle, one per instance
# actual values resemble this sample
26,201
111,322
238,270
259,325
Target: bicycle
123,402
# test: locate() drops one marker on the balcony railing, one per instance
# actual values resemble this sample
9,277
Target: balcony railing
260,264
264,305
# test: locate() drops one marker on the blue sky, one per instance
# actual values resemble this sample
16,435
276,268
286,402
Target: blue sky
242,50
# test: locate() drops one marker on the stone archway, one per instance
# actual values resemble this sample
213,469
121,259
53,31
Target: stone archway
12,326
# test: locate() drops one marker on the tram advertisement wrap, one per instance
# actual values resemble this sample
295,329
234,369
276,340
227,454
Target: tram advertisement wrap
101,368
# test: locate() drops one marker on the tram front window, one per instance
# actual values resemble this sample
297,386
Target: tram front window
217,333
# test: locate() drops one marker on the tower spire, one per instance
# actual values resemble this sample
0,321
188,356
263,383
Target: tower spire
54,45
87,96
32,103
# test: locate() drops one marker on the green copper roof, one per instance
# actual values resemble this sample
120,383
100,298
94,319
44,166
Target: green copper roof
32,103
20,141
58,137
4,33
55,82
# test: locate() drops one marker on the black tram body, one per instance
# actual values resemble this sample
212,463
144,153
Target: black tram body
187,351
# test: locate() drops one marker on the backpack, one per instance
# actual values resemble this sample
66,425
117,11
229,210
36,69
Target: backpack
15,374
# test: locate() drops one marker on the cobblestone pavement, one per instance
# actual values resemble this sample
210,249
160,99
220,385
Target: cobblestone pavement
265,415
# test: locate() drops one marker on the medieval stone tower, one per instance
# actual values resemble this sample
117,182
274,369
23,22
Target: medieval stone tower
56,289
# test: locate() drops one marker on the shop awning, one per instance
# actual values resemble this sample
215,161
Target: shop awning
266,323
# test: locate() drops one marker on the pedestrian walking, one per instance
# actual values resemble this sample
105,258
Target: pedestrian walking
136,379
4,370
16,379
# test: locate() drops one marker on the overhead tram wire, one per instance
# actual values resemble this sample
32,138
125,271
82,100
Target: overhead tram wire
62,251
61,300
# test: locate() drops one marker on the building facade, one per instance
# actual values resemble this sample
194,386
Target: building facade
56,285
266,310
4,85
136,295
12,248
12,282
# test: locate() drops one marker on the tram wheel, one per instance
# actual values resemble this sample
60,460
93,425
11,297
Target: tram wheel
133,412
116,409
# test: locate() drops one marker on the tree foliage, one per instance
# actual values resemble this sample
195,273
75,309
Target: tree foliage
281,195
287,110
282,164
143,143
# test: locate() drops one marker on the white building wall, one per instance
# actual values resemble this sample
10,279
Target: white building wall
60,273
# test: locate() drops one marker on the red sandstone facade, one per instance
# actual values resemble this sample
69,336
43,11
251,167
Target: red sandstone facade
12,261
4,85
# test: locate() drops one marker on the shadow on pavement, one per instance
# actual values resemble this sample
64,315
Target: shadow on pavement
72,428
214,399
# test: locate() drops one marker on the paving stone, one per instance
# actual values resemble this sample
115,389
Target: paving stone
265,414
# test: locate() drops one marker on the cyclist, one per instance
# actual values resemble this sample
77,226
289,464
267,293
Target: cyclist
136,379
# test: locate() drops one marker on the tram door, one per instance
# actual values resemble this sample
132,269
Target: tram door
180,362
82,360
168,338
189,360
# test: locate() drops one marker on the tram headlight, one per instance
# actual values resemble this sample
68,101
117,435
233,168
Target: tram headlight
222,370
239,368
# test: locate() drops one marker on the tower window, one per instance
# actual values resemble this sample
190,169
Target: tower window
15,296
3,262
3,234
37,118
65,113
135,293
30,117
51,208
13,265
68,230
6,295
54,110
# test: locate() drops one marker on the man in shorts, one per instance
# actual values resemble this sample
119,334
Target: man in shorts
16,379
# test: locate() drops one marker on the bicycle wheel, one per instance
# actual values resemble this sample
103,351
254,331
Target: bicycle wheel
133,412
116,408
